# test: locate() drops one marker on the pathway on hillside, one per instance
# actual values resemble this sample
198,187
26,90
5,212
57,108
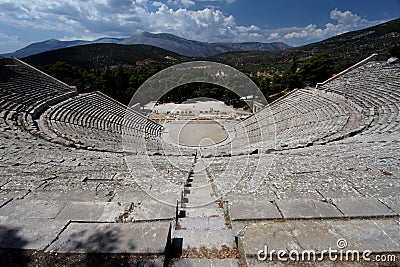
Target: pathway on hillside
203,233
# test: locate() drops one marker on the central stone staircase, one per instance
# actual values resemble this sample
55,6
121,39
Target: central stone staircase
203,234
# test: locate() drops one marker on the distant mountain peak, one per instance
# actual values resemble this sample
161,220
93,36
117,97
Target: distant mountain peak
145,33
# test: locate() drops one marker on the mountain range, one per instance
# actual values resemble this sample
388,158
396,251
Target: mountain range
165,41
93,56
346,49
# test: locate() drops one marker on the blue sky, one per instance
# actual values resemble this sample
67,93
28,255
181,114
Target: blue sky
294,22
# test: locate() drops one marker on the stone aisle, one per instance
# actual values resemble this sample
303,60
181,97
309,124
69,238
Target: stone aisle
203,234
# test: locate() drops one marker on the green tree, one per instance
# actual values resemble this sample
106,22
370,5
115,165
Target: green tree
293,65
317,68
108,82
278,83
395,51
65,72
292,78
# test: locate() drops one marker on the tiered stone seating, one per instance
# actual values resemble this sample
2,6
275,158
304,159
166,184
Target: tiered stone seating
363,105
59,198
24,88
96,121
373,86
363,100
25,92
89,120
301,118
358,179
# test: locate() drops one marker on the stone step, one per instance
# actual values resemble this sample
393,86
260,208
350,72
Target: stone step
200,223
307,208
29,233
203,190
205,262
199,179
144,238
200,184
198,241
199,200
28,208
255,210
199,175
377,235
152,210
203,211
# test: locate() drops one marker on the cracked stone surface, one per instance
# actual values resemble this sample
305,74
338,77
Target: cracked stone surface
32,209
375,235
256,210
89,211
29,233
139,238
363,207
205,262
307,208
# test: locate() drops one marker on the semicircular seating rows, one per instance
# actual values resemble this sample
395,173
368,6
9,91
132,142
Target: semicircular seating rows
373,86
24,87
97,121
359,108
54,111
25,92
302,117
362,100
334,162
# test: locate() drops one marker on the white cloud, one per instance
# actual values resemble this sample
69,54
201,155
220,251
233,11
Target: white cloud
226,1
248,29
345,21
181,3
9,42
302,33
346,17
274,36
118,18
156,4
206,24
126,17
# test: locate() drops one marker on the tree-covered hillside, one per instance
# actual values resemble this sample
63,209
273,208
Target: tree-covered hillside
119,70
345,49
94,56
121,82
